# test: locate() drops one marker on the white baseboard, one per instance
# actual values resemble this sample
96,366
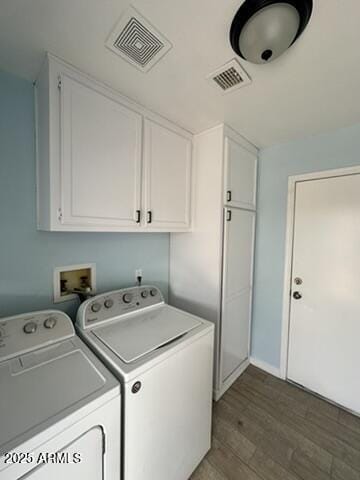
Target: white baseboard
266,367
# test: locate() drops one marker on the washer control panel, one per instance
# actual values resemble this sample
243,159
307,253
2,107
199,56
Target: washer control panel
30,331
116,303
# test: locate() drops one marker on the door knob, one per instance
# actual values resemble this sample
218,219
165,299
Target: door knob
297,295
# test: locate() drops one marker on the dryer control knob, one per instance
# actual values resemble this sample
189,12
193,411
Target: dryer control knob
95,307
127,297
109,303
153,292
30,327
50,322
144,294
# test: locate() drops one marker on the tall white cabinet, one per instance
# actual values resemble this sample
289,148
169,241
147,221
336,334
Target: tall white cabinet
211,268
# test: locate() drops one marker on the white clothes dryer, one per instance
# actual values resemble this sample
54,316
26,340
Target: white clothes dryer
59,405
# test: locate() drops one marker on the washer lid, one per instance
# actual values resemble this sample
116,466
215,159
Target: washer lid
136,336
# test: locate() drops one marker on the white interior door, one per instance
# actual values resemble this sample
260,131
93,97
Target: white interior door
167,179
240,176
324,353
237,289
100,158
82,459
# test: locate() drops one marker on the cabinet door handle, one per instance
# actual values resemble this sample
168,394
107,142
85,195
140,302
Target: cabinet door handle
228,215
228,196
138,216
149,214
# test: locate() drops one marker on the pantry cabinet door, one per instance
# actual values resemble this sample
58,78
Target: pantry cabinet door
167,178
239,229
240,176
100,159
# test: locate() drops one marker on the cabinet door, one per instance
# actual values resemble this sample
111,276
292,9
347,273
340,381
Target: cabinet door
237,288
240,175
167,179
100,158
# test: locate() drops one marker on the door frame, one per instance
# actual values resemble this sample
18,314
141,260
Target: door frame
290,217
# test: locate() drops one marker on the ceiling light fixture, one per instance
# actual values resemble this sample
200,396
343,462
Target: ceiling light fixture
262,30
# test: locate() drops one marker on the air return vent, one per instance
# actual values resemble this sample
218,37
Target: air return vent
229,77
137,41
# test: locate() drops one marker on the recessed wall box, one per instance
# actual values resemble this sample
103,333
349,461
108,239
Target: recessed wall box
69,279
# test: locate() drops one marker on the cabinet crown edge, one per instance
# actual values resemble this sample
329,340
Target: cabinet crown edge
226,131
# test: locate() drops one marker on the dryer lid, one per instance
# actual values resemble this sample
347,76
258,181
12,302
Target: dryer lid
37,388
138,335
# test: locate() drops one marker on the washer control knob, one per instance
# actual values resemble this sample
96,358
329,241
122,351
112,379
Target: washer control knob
30,327
127,297
153,292
50,322
95,307
109,303
144,294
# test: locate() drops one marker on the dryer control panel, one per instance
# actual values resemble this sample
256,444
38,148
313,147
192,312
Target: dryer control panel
118,302
29,331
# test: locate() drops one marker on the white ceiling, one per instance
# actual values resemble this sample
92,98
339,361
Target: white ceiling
313,88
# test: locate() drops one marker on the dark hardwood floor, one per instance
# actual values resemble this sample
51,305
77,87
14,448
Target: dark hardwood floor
267,429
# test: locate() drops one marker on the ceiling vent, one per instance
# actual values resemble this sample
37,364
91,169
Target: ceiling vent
137,41
229,77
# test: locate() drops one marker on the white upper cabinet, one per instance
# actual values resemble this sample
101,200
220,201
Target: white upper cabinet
167,177
100,158
240,175
96,169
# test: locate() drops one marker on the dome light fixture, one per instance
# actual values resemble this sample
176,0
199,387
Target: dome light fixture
262,30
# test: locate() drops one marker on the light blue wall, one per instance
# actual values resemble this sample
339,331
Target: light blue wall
322,152
27,257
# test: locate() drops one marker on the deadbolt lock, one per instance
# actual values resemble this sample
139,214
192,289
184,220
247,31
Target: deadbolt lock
298,281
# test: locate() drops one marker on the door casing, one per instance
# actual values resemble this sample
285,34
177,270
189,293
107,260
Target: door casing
339,172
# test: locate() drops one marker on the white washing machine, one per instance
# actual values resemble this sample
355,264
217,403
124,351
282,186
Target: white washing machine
59,405
164,360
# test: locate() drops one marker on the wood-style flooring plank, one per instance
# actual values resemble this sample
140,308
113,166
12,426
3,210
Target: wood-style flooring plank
224,460
268,469
342,471
336,429
349,420
227,434
267,429
257,373
272,443
302,466
206,471
321,407
317,455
